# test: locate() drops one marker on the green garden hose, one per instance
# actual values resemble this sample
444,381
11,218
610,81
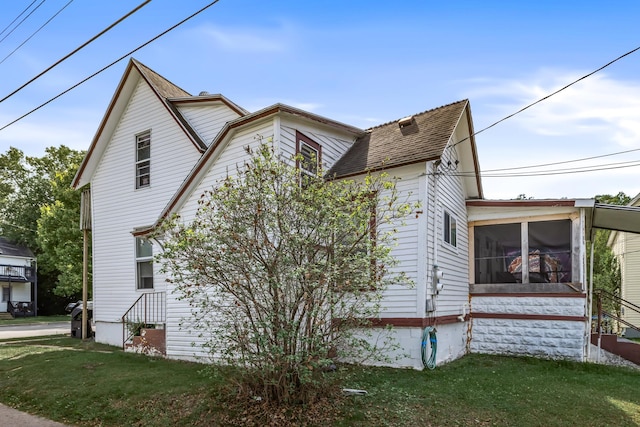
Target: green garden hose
430,334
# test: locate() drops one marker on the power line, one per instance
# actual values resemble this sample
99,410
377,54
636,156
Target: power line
550,95
76,50
583,169
37,31
17,17
563,162
24,19
111,64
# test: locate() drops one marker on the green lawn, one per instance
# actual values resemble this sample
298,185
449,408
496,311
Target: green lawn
36,319
86,384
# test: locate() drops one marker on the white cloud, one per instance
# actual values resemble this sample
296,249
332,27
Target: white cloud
246,39
597,106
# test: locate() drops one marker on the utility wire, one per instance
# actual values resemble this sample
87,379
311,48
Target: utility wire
111,64
23,19
36,32
550,95
545,173
76,50
17,17
563,162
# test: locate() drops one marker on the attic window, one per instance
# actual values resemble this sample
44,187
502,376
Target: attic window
407,121
309,153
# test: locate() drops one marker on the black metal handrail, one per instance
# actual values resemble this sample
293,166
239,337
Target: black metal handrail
148,310
17,273
20,308
604,295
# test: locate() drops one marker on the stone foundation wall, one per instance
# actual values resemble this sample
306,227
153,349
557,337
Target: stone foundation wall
553,327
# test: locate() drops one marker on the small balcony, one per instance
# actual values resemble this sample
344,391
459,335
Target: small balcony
17,273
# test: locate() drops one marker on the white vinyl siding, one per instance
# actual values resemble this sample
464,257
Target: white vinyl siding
333,144
118,208
629,258
207,119
452,261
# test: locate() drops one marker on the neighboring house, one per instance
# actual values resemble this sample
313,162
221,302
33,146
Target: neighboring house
158,149
626,248
17,280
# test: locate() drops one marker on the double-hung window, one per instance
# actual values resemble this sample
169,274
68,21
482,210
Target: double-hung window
450,229
309,154
143,159
144,264
6,293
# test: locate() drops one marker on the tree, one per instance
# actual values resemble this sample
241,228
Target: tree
31,187
606,268
59,238
281,269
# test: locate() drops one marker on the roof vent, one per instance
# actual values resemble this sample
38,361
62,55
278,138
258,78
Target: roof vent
204,93
403,123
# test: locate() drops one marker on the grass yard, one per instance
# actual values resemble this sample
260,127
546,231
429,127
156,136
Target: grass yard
36,319
86,384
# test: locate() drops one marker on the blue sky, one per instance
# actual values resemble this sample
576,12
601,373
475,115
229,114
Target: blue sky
362,63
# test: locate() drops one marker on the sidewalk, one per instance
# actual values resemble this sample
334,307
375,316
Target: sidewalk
13,417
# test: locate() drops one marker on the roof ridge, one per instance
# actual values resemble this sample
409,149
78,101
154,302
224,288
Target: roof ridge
157,80
417,114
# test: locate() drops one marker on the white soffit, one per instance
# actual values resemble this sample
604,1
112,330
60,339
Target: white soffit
619,218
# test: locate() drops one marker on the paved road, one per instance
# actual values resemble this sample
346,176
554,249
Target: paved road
10,416
34,330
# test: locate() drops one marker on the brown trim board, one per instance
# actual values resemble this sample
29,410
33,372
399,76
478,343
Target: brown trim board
416,322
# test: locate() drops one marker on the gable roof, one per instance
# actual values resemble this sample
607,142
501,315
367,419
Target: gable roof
226,133
11,249
390,145
164,90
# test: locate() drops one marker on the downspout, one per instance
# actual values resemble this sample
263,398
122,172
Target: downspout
434,269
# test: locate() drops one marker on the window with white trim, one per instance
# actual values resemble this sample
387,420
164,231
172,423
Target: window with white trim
143,159
499,249
6,293
144,264
309,154
449,228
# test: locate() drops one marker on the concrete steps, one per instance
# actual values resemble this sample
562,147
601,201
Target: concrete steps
5,316
629,350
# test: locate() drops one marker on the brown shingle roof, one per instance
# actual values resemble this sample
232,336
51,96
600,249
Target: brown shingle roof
165,88
388,145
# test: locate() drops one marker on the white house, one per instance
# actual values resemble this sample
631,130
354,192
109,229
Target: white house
626,248
17,280
158,148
